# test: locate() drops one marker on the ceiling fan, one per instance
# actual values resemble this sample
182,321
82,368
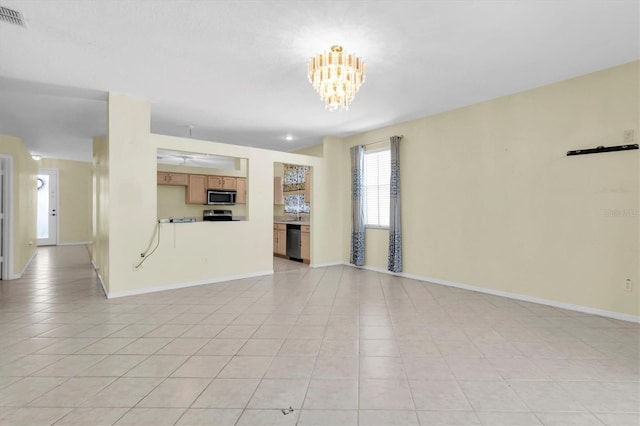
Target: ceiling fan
193,159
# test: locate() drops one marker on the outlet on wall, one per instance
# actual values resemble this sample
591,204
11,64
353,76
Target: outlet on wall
628,285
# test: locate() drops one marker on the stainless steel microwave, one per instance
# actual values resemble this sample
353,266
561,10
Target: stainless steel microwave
221,197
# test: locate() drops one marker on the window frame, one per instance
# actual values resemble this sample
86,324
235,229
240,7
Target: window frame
371,151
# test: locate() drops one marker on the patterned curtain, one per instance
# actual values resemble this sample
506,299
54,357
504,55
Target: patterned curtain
395,227
357,205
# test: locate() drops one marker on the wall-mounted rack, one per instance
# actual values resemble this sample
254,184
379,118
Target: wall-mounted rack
599,149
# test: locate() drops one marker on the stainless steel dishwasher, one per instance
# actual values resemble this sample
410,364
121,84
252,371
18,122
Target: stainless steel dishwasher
293,242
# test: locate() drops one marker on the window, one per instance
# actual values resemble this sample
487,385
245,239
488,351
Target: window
377,179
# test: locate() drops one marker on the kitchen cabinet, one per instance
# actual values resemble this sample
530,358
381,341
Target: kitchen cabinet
241,190
169,178
221,182
196,192
305,243
307,187
278,193
229,182
280,239
214,182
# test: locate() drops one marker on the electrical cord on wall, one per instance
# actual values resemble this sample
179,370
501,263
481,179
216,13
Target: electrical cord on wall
146,254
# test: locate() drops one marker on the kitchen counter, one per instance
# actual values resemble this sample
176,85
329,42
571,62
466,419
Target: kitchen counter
291,222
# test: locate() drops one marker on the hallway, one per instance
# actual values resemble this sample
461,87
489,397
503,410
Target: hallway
339,345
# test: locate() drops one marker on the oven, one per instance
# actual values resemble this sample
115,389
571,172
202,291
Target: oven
217,215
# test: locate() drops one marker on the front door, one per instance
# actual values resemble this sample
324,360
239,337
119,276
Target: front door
47,207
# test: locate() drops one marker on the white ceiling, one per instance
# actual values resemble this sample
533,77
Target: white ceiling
236,70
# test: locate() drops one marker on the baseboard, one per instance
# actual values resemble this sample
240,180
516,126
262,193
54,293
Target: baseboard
325,265
104,289
137,291
78,243
516,296
19,275
96,267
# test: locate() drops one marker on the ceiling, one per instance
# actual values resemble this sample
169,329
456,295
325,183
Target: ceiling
236,70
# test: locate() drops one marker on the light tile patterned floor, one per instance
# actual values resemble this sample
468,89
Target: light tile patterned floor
341,346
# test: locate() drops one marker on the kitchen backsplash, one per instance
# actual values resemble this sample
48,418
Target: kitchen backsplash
296,204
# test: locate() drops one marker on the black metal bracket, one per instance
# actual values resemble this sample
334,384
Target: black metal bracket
603,149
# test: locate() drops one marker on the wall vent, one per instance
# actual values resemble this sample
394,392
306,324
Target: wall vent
11,16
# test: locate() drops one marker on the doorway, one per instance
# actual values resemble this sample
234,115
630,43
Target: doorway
47,224
291,217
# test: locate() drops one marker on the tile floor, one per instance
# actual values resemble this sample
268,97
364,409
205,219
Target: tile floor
338,345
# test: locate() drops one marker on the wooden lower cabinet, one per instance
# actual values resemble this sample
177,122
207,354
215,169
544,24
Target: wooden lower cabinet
196,192
305,242
280,239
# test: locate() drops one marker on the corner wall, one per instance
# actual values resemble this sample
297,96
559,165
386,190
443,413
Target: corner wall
189,253
490,199
24,203
99,249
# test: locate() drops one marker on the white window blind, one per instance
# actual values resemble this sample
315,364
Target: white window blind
377,178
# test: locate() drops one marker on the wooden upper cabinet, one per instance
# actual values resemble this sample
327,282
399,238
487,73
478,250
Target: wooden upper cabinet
163,178
278,193
214,182
221,182
197,185
229,182
241,188
196,192
307,187
168,178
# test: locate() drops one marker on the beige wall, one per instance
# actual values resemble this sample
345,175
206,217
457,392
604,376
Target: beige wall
100,247
75,195
314,150
24,203
198,252
490,198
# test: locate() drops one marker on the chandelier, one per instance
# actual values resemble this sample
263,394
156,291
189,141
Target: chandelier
336,76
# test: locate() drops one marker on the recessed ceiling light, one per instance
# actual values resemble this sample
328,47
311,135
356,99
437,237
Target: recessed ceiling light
36,157
288,138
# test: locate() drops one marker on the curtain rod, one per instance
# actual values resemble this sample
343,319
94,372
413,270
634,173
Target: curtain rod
380,141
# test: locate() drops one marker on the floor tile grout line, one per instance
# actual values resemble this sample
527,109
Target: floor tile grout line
262,378
401,358
315,363
612,349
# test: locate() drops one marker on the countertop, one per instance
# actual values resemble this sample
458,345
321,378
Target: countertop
292,222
